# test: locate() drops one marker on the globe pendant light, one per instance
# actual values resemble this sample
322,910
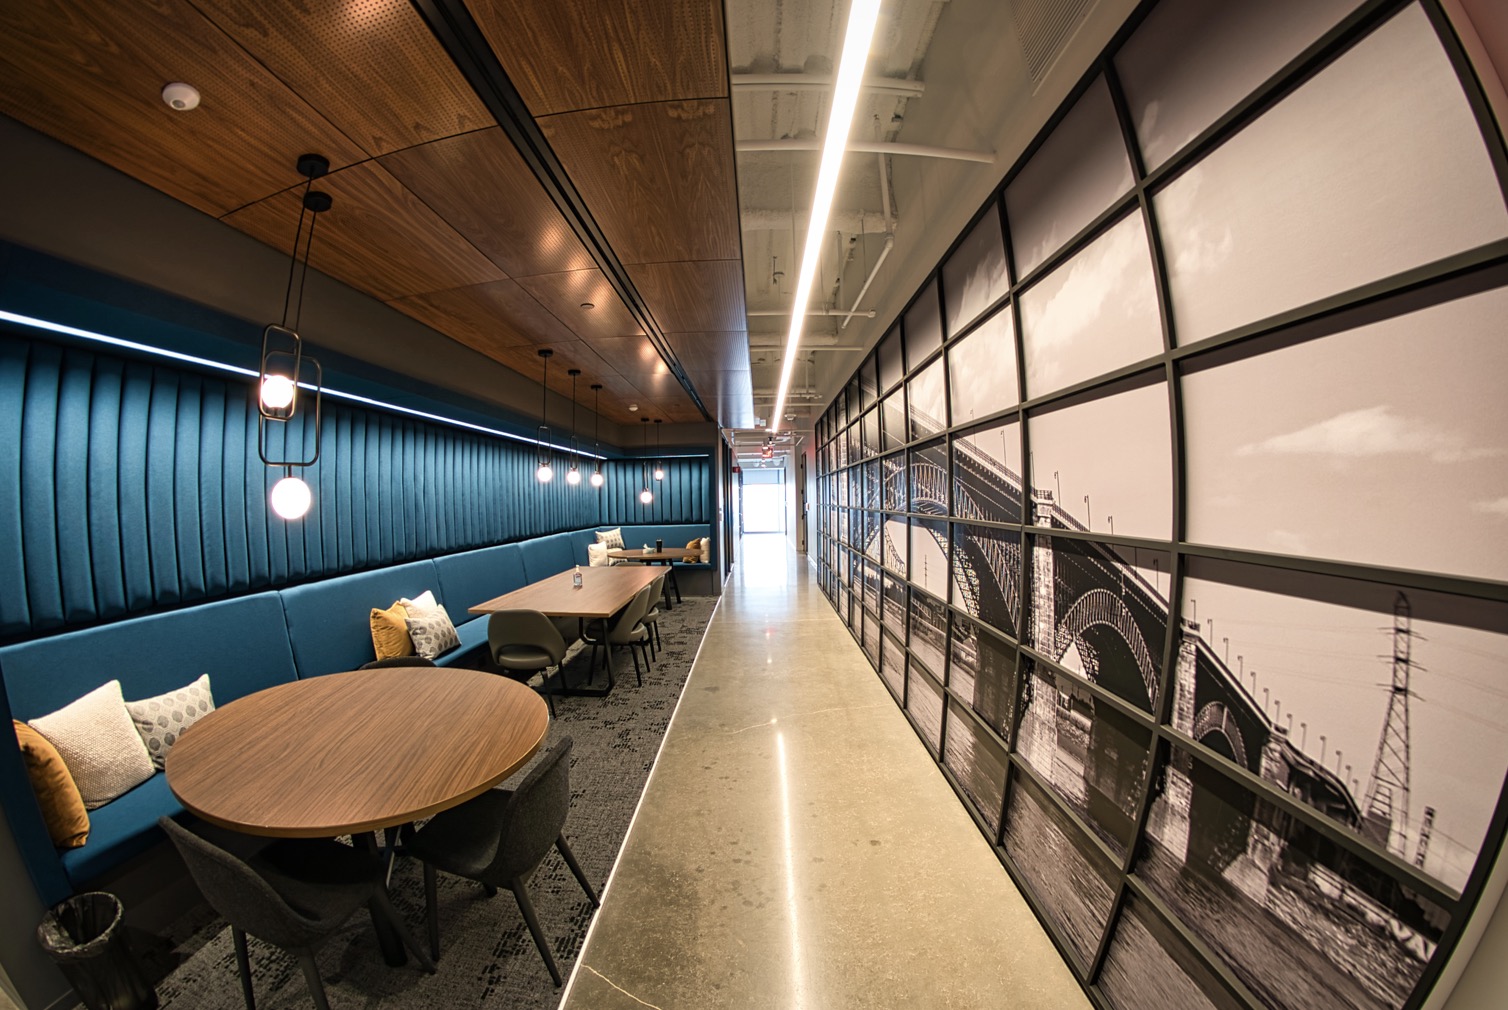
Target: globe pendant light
597,479
545,473
573,475
282,366
646,496
659,466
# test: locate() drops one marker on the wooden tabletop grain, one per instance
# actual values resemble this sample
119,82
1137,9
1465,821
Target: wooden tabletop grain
357,751
603,592
666,554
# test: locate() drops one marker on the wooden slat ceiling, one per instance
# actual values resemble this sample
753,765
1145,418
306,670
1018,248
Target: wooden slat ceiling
435,212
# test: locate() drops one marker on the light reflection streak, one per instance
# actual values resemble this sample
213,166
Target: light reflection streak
798,971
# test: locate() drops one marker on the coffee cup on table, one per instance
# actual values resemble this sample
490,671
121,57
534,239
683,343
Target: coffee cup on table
659,545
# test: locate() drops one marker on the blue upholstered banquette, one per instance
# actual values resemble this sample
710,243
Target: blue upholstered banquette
244,644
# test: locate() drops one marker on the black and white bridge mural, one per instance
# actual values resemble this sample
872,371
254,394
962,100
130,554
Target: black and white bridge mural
1247,873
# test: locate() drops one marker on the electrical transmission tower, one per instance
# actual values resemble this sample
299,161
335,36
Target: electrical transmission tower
1386,807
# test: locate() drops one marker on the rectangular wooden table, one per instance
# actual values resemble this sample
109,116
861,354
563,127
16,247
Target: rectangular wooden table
603,592
660,556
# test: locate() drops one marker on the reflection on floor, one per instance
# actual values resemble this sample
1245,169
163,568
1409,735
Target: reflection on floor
796,846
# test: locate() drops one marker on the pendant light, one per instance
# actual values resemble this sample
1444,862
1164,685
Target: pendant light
573,475
545,473
646,496
281,369
597,479
659,464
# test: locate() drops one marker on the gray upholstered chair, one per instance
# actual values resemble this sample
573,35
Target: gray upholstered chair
651,618
626,628
382,664
292,894
526,641
499,839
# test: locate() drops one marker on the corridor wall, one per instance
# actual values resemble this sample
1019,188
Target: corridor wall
1173,510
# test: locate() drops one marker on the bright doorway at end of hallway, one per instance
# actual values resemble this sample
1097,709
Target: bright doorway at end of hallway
762,505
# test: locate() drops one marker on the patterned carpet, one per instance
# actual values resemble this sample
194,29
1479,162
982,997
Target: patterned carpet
487,956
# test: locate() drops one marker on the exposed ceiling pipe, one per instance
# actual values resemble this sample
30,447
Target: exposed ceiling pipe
866,147
822,82
873,273
850,222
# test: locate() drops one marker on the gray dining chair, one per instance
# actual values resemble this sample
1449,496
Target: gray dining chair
526,641
293,893
395,661
626,628
499,839
651,618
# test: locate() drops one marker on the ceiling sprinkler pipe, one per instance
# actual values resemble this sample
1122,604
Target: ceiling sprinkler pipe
873,273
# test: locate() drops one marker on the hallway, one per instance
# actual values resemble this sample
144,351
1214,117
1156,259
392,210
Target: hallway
796,846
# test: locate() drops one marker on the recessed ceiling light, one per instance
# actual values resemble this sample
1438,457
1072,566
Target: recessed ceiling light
588,305
180,96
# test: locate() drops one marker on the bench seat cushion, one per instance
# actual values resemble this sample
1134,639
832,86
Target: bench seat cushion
120,829
473,635
329,624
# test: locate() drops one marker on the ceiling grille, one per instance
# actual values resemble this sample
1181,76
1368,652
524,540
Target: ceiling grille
1044,28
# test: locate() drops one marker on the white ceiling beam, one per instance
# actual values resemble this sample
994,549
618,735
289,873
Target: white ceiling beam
849,222
823,82
865,147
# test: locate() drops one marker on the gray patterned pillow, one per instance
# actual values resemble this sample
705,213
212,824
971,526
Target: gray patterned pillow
432,632
613,538
162,720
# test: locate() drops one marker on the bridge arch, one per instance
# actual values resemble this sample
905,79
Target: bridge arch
1217,719
1100,608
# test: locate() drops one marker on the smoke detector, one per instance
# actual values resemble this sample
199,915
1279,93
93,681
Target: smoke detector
181,97
633,408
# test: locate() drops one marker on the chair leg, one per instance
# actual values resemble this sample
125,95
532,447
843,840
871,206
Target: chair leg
311,976
382,904
521,895
431,910
570,860
243,967
634,652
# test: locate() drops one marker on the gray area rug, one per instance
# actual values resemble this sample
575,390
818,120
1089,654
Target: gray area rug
487,957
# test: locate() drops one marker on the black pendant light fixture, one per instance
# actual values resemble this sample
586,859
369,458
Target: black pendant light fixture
573,475
283,363
597,479
659,464
545,473
646,496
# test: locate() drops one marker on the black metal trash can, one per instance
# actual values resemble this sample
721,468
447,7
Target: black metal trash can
85,936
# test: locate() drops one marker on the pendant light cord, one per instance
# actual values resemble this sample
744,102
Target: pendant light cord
293,257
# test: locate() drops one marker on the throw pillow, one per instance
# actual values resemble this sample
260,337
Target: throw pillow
596,556
99,744
390,632
425,601
706,545
162,720
62,806
432,633
613,538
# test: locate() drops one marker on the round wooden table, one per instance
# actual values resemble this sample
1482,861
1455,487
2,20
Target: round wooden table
354,752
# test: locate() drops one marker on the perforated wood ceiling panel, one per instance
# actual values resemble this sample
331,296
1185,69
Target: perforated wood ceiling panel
378,237
659,177
487,317
89,74
371,66
480,185
587,54
568,296
703,297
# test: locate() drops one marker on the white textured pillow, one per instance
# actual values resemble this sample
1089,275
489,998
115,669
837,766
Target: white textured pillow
596,556
432,632
416,607
706,545
161,720
612,539
99,744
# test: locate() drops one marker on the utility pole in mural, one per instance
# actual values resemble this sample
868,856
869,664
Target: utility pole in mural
1387,800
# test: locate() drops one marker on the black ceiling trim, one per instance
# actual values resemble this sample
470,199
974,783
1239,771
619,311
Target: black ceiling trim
462,39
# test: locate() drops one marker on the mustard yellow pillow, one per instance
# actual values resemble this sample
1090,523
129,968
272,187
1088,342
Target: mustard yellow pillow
390,632
57,794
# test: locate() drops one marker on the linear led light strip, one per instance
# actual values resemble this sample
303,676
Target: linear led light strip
861,21
251,373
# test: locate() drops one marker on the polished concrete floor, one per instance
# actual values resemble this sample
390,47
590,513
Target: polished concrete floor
796,847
